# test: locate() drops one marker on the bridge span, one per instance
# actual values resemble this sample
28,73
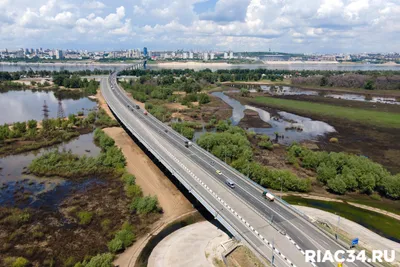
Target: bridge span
275,230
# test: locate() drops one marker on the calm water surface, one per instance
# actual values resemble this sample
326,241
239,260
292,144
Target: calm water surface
23,190
311,129
26,105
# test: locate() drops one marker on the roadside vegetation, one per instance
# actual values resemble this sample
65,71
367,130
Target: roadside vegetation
231,145
26,136
341,172
370,117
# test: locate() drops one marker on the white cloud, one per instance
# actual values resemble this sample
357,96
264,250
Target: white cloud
93,5
327,25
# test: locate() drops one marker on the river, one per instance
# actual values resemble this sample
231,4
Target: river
288,66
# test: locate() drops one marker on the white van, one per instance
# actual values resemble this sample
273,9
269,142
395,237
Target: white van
230,183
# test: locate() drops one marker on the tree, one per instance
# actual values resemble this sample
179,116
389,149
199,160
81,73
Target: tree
337,185
325,173
32,124
369,85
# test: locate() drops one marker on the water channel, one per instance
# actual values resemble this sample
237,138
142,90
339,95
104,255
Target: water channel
293,127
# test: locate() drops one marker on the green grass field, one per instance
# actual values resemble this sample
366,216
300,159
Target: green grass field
376,222
377,118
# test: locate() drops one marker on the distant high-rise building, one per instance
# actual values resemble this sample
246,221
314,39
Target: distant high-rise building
225,55
26,51
230,55
184,55
212,56
205,56
191,55
145,53
59,54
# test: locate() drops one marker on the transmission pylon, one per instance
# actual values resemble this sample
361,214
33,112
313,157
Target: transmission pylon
45,111
60,111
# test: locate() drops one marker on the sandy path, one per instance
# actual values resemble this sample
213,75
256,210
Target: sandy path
368,239
151,180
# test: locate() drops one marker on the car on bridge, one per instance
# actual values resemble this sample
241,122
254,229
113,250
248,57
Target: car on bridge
219,172
230,183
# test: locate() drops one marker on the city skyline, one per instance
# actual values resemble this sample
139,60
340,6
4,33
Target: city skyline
320,26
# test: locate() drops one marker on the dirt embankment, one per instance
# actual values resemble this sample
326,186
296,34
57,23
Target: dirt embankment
151,180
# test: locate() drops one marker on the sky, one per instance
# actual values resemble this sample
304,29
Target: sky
305,26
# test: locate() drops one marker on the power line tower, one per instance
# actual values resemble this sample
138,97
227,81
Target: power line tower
60,111
45,111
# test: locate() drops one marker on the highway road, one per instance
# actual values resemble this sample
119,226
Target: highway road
290,232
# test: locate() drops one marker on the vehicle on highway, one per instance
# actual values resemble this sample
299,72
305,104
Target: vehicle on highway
268,196
188,144
230,183
137,107
219,172
145,113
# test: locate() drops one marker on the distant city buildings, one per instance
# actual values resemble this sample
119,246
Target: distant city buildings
205,55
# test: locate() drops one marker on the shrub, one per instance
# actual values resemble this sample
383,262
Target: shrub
334,140
376,196
266,145
115,245
17,217
101,260
203,98
128,179
337,185
16,262
126,236
133,191
145,205
85,217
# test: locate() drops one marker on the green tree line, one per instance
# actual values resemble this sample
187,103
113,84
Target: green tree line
343,173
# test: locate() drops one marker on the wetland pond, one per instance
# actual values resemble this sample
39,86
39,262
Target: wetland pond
291,126
20,189
26,105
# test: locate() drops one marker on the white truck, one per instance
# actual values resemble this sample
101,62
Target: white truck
268,196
